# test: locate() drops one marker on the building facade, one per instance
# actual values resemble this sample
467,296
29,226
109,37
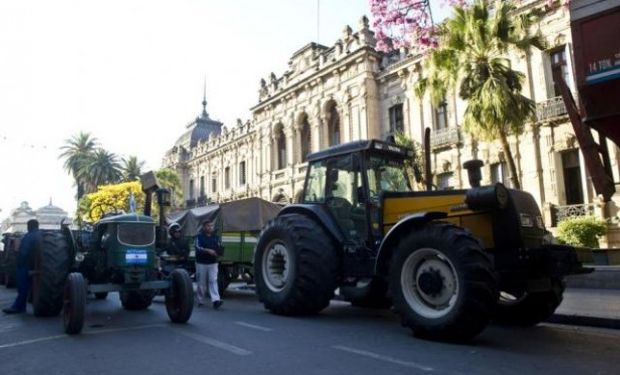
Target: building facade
350,91
49,217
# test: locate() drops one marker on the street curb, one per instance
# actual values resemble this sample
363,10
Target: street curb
588,321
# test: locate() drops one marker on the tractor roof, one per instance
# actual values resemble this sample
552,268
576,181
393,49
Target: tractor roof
355,146
127,218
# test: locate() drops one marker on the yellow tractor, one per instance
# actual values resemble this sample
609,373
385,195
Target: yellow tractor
448,261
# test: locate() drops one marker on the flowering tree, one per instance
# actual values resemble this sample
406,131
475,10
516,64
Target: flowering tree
409,23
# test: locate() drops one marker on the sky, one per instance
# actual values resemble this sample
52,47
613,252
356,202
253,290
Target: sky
131,73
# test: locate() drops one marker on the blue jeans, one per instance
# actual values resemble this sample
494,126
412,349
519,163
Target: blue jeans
23,287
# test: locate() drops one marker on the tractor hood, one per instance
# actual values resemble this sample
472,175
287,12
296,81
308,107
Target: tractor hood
127,218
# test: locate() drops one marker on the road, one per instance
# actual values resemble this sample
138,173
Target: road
243,338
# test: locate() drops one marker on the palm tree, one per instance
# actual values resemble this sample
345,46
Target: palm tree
132,168
471,57
76,151
101,168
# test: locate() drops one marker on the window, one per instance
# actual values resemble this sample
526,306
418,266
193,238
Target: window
214,183
315,183
386,174
572,177
441,116
242,173
396,118
191,189
202,186
444,181
499,173
281,150
305,139
333,126
227,178
559,65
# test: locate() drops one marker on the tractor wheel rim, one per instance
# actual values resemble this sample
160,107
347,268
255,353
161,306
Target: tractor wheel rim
276,265
422,262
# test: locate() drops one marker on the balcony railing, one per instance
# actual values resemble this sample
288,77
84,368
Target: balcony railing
445,137
574,210
550,109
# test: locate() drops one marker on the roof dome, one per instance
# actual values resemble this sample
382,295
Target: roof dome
50,209
199,129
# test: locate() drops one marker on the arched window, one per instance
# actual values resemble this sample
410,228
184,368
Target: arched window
280,148
333,126
305,139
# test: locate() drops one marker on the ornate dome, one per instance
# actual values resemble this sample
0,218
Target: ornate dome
199,129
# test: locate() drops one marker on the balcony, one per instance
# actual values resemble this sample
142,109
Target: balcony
560,213
550,109
445,137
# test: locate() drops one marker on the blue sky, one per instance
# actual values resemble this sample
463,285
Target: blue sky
131,73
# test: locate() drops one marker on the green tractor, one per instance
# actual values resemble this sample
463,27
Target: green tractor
448,261
118,254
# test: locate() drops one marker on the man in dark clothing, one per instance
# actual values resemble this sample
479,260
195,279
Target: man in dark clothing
208,248
27,249
178,245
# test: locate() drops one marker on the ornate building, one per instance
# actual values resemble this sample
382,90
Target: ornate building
49,217
349,91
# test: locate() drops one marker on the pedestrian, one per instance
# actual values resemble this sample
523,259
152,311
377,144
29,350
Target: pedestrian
178,245
208,248
27,249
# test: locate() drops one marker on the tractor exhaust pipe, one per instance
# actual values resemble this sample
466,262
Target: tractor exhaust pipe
427,159
474,171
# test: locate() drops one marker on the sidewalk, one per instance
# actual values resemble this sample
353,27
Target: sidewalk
592,299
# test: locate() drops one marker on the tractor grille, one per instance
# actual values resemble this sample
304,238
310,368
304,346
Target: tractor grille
136,234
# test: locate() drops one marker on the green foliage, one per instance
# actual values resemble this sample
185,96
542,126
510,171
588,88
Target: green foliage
581,231
132,168
415,165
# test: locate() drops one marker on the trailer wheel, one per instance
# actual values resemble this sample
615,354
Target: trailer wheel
137,299
224,277
528,309
52,267
295,266
74,303
442,283
180,297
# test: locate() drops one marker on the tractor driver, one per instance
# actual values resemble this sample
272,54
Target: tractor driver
178,244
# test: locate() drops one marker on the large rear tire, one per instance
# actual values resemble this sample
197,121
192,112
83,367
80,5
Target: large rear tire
529,309
52,267
74,303
442,283
180,297
137,299
295,266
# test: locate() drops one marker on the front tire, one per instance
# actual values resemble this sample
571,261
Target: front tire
295,266
529,309
442,283
180,297
52,267
74,303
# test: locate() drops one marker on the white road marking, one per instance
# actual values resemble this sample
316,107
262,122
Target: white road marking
248,325
33,341
95,332
215,343
383,358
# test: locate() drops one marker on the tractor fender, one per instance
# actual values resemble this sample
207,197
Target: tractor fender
318,213
392,237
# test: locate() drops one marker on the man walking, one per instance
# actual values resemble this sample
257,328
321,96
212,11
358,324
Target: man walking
25,256
208,248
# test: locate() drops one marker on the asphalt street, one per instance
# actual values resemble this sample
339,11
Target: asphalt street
243,338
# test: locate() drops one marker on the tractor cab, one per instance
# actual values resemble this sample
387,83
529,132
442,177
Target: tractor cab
348,180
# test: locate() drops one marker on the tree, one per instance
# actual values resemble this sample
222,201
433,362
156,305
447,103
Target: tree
132,168
414,165
471,57
110,198
100,168
76,151
169,179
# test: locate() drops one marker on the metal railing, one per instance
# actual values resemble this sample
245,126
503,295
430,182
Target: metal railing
550,109
445,137
573,210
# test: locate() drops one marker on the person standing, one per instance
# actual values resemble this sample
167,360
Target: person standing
25,256
208,248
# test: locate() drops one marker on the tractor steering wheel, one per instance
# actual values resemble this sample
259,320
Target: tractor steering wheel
104,208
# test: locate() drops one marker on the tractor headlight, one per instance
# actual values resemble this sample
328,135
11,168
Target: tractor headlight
79,257
487,197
